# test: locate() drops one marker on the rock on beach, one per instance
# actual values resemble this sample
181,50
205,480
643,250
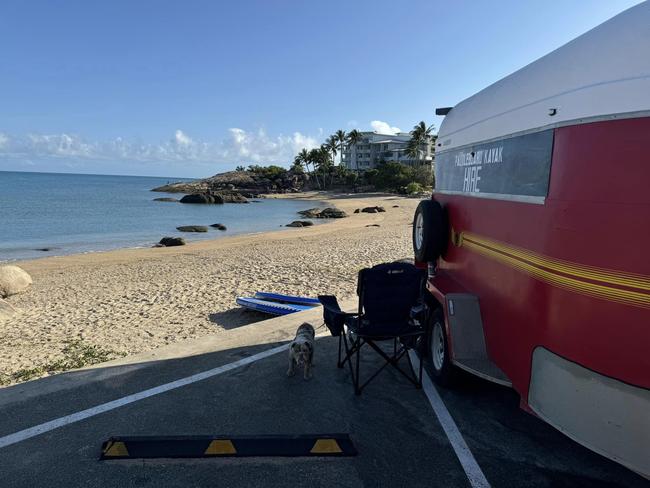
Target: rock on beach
13,280
171,241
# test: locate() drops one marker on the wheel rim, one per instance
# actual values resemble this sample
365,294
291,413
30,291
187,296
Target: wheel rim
419,231
438,346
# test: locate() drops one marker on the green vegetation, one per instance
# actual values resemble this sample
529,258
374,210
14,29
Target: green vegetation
420,137
272,173
76,354
396,177
414,188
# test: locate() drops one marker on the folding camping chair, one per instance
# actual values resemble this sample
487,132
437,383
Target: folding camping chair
387,294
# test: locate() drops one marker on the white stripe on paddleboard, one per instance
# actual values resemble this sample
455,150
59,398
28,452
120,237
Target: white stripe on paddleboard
120,402
470,466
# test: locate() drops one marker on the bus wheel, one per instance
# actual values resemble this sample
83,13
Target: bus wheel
444,372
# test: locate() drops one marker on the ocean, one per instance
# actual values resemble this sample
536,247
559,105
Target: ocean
73,213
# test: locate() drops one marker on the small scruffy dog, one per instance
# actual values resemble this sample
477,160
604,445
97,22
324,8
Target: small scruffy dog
301,350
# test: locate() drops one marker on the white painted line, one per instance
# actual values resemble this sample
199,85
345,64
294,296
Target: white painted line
120,402
473,471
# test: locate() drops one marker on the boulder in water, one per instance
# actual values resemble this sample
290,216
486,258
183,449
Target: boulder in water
332,213
219,226
202,198
311,213
13,280
192,228
326,213
171,241
165,199
234,198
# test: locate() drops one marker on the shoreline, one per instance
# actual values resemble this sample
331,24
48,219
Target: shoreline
92,307
191,238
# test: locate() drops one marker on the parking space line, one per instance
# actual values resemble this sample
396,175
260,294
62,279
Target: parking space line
473,471
120,402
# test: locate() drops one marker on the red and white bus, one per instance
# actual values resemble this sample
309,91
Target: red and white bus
537,238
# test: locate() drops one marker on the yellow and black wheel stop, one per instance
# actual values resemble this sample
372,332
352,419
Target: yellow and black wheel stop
227,446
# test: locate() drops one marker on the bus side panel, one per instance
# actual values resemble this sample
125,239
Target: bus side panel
571,275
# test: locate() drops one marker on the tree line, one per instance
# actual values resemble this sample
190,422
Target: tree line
320,162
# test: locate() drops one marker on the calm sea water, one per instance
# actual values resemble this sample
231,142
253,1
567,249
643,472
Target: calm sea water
71,213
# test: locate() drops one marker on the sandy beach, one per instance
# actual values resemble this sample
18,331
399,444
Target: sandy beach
89,308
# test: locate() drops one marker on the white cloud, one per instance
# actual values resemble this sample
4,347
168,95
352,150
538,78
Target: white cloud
384,127
181,138
239,146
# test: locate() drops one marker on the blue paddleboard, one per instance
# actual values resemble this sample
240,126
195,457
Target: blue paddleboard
273,308
279,297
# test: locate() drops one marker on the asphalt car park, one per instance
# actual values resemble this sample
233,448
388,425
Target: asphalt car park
399,437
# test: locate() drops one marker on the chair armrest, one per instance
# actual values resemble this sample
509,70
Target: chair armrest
331,304
333,316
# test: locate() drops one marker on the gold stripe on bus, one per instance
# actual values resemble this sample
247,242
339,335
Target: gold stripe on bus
597,274
627,297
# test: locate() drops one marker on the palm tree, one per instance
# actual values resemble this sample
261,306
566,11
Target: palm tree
302,158
420,135
323,161
332,144
340,137
354,137
314,157
307,157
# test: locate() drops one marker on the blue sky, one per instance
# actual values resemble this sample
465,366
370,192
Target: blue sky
193,88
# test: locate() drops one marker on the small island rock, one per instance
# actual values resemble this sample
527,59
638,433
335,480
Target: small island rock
202,198
165,199
219,226
326,213
192,228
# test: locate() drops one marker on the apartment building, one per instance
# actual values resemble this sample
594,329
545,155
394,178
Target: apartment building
374,148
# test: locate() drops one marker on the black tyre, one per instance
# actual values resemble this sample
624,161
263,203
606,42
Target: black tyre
430,231
444,372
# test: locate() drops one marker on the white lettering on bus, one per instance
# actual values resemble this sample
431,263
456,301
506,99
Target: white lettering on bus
482,156
471,179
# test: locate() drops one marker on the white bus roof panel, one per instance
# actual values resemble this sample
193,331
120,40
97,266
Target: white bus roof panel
604,72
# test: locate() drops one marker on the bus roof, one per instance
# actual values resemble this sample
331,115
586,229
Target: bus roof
601,74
